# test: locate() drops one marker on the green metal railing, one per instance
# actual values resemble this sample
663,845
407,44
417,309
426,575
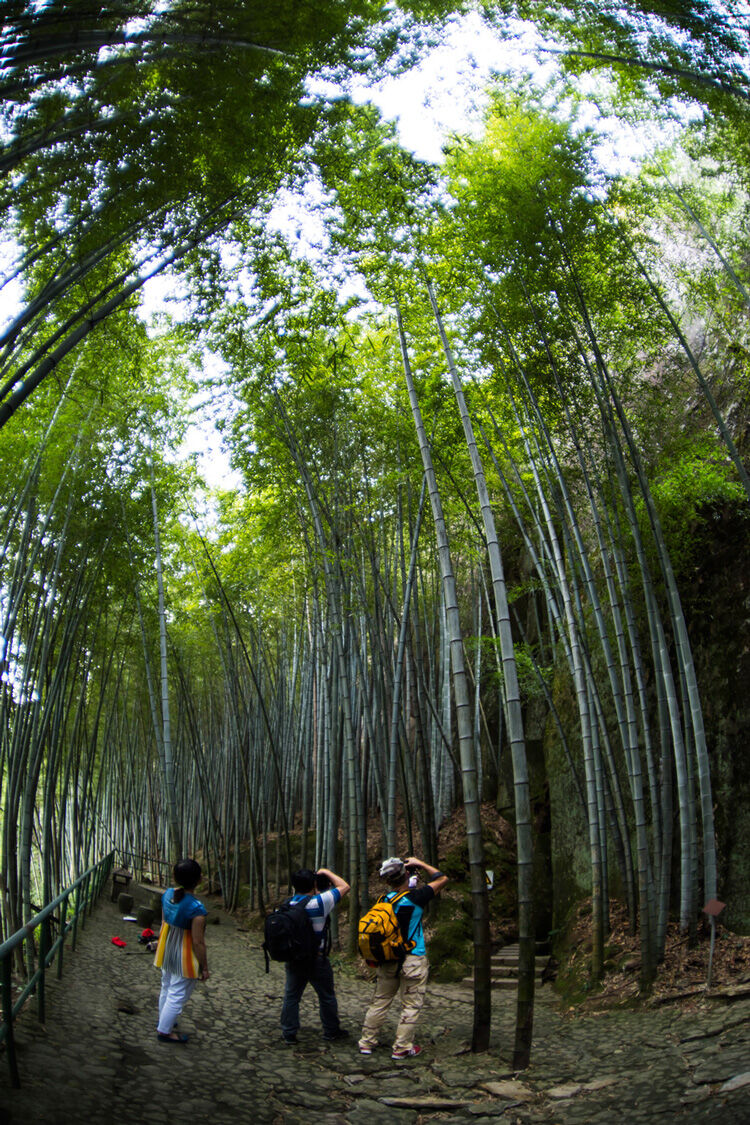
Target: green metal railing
86,890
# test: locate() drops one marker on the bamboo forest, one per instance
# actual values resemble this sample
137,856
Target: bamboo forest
348,491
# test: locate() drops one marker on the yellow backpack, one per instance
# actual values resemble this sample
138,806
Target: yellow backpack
380,938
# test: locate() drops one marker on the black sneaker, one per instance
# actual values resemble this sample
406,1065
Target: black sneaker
340,1033
290,1039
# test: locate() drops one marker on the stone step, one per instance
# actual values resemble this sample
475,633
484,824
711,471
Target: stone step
510,960
503,972
542,949
504,984
504,966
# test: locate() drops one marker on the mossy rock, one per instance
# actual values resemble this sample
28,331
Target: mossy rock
450,948
448,907
457,903
450,971
503,896
456,864
575,987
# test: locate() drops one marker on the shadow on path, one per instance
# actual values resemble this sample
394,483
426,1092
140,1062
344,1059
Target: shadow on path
98,1060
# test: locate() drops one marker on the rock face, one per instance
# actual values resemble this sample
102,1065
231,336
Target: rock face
717,606
714,583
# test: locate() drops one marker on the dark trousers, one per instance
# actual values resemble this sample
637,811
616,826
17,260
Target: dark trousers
319,974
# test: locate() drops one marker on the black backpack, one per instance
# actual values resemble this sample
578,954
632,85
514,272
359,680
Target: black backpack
289,933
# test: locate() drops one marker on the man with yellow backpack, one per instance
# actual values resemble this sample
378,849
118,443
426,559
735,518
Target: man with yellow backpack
396,947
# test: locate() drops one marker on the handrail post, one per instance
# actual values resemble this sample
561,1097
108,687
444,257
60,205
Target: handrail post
63,924
10,1043
107,870
76,912
44,944
86,899
93,891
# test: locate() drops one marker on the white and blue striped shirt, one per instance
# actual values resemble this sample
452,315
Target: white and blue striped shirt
319,906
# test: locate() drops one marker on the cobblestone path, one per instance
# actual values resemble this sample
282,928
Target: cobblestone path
98,1060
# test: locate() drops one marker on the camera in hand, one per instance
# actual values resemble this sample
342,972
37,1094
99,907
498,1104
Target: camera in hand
322,881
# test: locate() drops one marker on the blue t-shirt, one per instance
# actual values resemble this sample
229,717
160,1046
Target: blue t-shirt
181,913
409,912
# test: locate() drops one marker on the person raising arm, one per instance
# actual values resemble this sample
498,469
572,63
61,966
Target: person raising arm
335,880
406,978
320,892
435,878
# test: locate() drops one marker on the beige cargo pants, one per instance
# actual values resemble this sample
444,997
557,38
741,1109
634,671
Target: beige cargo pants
411,985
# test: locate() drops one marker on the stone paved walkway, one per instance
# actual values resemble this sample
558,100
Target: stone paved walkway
98,1060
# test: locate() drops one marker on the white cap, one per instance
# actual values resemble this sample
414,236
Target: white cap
391,868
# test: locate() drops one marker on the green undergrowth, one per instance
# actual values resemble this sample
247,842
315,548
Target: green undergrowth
572,947
572,951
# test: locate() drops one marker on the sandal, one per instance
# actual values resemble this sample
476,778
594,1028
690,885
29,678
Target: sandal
171,1038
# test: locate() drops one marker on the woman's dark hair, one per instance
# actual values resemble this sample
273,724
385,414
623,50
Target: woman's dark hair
187,876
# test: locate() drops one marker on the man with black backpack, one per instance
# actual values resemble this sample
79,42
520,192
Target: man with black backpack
314,966
407,971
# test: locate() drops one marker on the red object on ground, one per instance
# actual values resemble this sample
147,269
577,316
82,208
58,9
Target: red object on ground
119,942
147,933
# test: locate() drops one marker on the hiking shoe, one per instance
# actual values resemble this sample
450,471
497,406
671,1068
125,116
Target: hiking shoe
340,1033
290,1039
415,1050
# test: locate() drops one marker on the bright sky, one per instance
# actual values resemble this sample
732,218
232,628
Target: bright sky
444,95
